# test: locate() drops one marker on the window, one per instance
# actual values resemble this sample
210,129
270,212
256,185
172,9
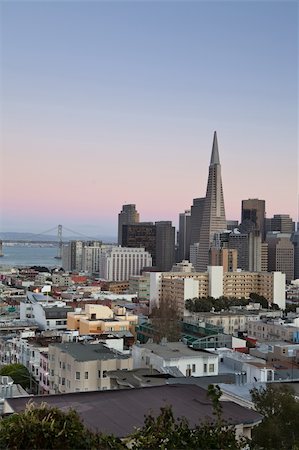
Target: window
63,381
193,368
86,375
99,373
211,368
205,368
104,373
77,375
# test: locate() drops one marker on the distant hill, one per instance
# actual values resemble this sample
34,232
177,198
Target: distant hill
17,236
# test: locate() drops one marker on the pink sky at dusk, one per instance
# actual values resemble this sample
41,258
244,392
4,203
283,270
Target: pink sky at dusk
124,111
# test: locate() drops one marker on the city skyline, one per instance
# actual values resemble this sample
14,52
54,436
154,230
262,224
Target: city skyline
124,111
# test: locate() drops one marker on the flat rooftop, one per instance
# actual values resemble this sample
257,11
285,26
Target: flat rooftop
88,352
175,350
120,411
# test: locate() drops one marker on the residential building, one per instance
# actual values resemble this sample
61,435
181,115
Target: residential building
270,330
49,314
215,283
127,216
81,367
175,357
213,219
99,319
140,285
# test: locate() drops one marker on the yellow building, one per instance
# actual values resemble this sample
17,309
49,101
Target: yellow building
99,319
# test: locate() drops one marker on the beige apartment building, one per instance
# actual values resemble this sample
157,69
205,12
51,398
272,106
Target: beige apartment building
99,319
178,287
77,367
272,330
140,285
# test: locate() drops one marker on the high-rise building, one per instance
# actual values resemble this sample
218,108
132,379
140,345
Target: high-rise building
213,218
127,216
142,234
239,242
165,245
184,236
225,257
295,241
158,239
280,254
196,219
119,263
283,223
232,224
253,211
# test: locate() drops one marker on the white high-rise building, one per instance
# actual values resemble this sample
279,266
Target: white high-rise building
119,263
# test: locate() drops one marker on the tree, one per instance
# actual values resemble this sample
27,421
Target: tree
166,321
19,373
167,433
45,427
280,426
259,299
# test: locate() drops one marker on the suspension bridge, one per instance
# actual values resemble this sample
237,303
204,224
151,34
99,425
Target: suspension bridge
58,239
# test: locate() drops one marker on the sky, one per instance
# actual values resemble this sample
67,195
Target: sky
107,103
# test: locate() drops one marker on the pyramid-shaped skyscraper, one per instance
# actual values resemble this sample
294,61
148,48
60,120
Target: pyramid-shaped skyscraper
213,219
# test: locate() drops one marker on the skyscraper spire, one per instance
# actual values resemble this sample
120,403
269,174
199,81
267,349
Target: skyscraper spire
213,219
215,154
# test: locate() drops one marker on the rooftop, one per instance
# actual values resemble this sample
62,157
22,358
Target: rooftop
175,350
120,411
81,351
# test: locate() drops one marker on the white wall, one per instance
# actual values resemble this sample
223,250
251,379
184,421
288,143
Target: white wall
279,293
143,357
155,288
215,281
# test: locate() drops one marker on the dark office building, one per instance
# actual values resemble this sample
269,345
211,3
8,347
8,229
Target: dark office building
253,216
196,218
165,246
141,234
184,235
127,216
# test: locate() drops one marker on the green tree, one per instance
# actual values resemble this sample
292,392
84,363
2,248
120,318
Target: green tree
45,427
280,427
166,321
167,433
259,299
19,373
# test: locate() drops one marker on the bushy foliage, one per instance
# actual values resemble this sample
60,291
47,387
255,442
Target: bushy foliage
19,373
208,304
280,427
166,322
44,427
167,433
